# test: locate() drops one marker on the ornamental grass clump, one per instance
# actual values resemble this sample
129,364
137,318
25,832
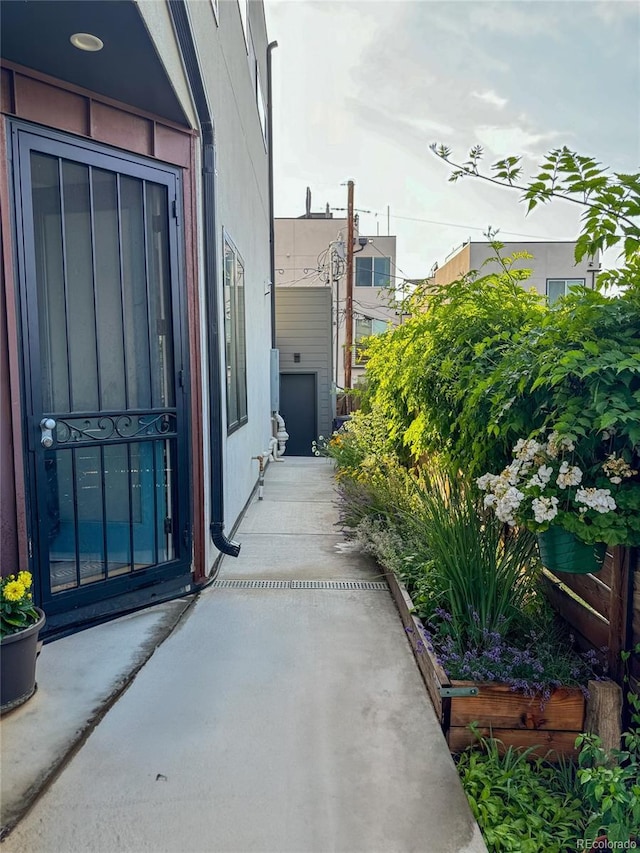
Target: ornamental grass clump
17,610
482,578
550,483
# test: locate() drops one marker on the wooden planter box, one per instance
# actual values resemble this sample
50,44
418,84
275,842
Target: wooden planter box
515,719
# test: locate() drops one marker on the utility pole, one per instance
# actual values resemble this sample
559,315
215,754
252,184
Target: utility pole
336,272
348,319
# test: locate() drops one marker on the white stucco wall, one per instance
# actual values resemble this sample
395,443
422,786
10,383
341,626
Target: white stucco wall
242,210
298,244
550,260
374,302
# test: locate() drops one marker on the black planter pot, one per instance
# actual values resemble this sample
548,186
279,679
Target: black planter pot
18,653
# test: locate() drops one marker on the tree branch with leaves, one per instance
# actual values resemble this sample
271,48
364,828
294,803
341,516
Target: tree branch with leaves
611,200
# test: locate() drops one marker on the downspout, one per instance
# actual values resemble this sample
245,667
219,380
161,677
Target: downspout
180,18
272,239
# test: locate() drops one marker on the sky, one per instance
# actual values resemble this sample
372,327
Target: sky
361,89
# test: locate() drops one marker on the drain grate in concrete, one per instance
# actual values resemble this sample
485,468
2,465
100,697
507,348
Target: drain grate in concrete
242,584
375,585
256,584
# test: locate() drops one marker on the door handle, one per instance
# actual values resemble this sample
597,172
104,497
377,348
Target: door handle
46,426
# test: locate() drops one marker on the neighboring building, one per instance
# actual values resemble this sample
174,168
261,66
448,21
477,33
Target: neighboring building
303,324
135,321
553,266
310,253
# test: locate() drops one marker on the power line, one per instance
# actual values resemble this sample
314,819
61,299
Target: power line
368,311
310,274
393,263
453,225
471,227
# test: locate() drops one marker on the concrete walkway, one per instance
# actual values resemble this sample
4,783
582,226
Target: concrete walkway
276,717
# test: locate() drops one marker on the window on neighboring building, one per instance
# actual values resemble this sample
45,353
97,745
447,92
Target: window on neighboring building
235,337
557,287
365,328
373,272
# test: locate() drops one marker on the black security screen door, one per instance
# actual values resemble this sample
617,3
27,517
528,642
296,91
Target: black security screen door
103,363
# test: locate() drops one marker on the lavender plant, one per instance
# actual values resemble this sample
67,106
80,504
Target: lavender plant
534,660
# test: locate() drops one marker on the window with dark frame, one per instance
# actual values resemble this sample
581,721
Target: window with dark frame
373,272
235,337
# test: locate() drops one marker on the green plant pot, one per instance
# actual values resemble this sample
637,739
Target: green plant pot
561,551
18,653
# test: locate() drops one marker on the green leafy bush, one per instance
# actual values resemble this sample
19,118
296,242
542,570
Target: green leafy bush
522,804
610,781
420,375
364,437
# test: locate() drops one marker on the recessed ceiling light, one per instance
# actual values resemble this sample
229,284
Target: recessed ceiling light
86,41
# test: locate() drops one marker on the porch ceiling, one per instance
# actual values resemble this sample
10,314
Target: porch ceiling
35,33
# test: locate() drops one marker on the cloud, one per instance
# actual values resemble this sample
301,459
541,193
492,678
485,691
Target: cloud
502,140
490,97
615,13
372,84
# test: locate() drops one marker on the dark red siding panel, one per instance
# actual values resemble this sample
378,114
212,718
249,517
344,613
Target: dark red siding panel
120,128
172,145
37,101
13,530
8,525
6,91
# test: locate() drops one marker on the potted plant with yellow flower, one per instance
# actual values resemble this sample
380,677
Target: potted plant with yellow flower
20,624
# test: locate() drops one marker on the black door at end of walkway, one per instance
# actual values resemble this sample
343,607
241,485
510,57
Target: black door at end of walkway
298,408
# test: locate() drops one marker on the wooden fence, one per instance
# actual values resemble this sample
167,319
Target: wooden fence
604,611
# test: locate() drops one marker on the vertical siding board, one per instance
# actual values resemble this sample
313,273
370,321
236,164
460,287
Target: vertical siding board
303,324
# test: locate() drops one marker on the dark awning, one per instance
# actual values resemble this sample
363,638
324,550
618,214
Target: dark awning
35,33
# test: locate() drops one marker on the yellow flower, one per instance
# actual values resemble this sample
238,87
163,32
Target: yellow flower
25,579
13,591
